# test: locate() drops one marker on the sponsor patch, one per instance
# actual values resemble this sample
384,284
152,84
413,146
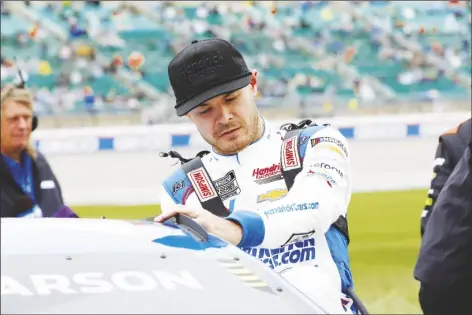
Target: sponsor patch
326,166
178,186
202,184
227,186
303,140
319,140
298,237
293,207
328,178
285,255
290,158
267,175
272,195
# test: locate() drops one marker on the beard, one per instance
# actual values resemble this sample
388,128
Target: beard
247,134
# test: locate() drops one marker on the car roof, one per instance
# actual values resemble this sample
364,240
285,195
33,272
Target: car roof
116,266
54,235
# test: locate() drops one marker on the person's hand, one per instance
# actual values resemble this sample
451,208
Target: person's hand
213,224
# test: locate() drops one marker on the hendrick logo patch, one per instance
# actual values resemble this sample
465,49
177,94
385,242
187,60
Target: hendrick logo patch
265,175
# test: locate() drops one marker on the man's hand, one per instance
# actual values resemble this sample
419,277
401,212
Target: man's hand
225,229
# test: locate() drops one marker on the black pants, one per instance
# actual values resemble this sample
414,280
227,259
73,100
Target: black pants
444,301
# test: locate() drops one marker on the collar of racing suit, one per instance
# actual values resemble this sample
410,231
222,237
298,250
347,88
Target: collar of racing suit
252,150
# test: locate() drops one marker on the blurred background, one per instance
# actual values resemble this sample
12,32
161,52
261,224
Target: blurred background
314,57
104,64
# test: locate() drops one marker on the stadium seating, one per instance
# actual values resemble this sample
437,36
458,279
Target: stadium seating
366,49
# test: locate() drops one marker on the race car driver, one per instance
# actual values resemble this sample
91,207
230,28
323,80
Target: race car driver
291,230
451,146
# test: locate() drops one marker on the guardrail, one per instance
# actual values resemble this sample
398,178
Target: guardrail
166,136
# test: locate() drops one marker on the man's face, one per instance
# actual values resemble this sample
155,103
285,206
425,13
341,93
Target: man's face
228,122
16,123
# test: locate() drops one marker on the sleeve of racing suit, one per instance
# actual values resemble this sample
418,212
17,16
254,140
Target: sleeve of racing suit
320,194
442,169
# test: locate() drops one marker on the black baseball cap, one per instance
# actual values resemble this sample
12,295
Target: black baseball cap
205,69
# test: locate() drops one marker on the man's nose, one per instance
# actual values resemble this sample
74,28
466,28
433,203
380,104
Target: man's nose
23,123
225,115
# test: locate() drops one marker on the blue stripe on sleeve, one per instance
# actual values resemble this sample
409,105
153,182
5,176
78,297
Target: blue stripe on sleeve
304,138
252,226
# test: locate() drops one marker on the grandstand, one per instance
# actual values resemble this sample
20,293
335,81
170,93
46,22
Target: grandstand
313,57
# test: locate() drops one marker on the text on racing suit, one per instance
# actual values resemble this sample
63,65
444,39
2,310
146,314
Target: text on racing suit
290,254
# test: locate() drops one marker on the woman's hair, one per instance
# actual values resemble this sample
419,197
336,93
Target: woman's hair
22,96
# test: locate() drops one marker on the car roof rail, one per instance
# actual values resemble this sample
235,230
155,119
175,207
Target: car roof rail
191,226
188,225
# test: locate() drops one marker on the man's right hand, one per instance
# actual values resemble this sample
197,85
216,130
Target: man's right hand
225,229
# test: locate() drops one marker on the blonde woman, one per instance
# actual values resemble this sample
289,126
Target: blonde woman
29,187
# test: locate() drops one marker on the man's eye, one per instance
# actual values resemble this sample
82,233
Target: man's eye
228,100
205,111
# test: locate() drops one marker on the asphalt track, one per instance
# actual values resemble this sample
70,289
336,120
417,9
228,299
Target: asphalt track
134,178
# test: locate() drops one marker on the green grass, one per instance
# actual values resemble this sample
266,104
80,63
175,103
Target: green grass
385,239
385,229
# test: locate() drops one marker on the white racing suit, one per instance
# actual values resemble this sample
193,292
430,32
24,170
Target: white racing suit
291,231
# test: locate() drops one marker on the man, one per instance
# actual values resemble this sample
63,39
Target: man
444,265
448,153
28,185
288,224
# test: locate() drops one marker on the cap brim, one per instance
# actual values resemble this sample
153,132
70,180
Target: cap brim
194,102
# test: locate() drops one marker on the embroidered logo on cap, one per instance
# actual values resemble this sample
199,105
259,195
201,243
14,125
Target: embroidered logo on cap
206,67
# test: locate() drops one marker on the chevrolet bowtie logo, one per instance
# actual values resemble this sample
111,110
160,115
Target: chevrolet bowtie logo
272,195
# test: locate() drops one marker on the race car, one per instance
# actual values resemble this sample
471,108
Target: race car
64,265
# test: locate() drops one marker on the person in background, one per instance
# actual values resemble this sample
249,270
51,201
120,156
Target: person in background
29,187
444,265
451,146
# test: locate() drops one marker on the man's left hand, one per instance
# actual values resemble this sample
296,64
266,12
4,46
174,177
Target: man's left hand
213,224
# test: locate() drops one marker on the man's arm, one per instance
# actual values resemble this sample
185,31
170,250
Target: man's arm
443,167
320,194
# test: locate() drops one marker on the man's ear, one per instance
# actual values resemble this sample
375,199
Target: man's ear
253,82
